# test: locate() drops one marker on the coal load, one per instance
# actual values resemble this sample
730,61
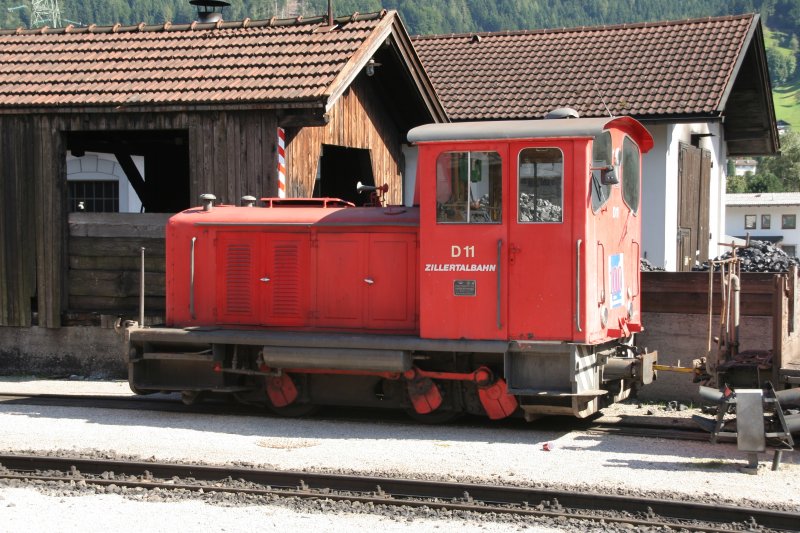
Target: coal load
760,256
647,266
533,209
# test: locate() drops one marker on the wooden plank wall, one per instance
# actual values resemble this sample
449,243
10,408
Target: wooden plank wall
17,236
231,154
687,293
357,120
105,262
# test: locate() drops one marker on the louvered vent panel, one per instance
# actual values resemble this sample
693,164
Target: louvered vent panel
239,279
286,292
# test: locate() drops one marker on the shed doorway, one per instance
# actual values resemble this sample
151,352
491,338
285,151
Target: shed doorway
340,170
152,166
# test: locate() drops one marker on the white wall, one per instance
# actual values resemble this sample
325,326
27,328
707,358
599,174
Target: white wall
655,199
409,172
94,166
734,222
716,144
660,190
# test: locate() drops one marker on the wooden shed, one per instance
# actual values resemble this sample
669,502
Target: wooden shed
199,106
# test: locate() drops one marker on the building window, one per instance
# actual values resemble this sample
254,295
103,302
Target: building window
766,220
790,250
468,187
749,222
93,196
788,221
541,185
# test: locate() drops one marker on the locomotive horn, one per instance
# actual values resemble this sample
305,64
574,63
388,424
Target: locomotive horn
361,188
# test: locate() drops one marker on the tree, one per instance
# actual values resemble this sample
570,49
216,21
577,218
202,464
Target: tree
735,184
781,66
764,182
785,168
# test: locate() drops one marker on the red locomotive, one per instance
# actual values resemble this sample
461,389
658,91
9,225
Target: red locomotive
511,286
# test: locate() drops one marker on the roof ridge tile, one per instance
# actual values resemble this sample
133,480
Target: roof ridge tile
195,25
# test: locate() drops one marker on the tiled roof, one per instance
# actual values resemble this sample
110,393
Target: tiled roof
764,198
644,70
245,62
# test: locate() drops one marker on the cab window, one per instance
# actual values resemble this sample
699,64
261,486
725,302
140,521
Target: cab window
602,161
468,187
631,165
541,185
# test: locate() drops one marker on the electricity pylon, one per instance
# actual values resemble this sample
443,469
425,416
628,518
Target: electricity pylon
45,13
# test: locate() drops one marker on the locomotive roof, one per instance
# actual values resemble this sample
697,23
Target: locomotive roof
531,129
229,215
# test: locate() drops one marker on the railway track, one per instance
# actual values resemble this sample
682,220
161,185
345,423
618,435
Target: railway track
567,505
652,427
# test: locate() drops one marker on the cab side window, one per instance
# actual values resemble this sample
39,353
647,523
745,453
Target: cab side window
469,187
631,165
541,185
602,161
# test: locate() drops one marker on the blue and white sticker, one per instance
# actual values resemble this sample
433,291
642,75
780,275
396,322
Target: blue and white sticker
616,279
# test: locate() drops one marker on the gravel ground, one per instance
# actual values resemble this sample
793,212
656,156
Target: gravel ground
696,471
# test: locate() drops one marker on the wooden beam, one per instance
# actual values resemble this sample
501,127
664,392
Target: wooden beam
302,118
133,175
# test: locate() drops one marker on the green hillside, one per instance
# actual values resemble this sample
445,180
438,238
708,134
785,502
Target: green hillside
785,95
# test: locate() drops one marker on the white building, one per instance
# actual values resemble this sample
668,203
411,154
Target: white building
97,183
769,216
743,166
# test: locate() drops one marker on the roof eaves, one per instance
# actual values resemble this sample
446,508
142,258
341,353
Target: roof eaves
163,107
359,60
742,52
417,72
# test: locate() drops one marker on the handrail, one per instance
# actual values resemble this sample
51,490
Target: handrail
499,284
578,284
191,281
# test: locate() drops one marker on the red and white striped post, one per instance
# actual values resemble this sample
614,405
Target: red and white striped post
281,163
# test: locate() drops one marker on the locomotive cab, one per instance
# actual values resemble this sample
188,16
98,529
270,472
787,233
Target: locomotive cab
531,233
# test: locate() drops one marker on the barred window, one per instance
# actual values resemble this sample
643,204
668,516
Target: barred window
93,196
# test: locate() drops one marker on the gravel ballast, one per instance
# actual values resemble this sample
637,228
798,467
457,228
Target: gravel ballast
696,471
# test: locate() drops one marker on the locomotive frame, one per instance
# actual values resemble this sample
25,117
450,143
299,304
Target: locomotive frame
510,286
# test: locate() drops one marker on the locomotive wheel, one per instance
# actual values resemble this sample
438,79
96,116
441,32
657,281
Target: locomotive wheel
295,410
440,416
142,392
191,397
250,398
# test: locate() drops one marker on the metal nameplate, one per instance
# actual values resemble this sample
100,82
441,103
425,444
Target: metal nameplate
464,287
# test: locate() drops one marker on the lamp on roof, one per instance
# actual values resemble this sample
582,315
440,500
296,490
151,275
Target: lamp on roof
207,9
371,66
